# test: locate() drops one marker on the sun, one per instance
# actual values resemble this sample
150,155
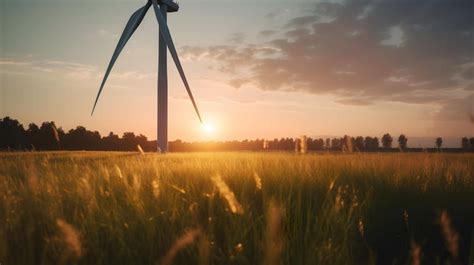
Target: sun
208,128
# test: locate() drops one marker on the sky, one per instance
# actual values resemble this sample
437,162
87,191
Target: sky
257,69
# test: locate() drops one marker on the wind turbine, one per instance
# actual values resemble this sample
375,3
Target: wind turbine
161,7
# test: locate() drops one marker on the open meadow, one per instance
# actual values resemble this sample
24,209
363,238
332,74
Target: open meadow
236,208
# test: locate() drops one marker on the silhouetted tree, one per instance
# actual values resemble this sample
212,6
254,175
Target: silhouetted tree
336,144
439,142
465,143
12,134
319,144
347,143
359,143
387,140
402,141
111,142
82,139
376,143
368,143
327,145
47,137
371,143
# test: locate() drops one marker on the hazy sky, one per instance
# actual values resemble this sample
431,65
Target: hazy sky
258,69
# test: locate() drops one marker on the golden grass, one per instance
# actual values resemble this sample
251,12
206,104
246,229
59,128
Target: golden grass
243,208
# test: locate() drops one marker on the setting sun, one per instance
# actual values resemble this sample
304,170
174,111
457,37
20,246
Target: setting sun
208,128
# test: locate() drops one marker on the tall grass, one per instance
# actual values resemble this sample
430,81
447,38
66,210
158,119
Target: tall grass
236,208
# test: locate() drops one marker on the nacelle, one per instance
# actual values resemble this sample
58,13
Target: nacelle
172,5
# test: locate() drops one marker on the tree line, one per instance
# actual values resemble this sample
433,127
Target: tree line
47,136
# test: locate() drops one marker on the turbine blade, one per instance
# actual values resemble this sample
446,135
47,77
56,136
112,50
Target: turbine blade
165,32
130,28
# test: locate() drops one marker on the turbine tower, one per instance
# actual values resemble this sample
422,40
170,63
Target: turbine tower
161,7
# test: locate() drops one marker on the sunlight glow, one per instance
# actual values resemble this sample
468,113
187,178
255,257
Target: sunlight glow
208,128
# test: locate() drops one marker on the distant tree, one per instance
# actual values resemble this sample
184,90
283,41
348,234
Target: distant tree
359,143
439,142
319,144
12,134
327,145
142,141
336,144
376,143
273,145
129,142
402,141
347,143
471,142
111,142
465,143
371,143
387,140
368,143
315,144
82,139
32,136
49,137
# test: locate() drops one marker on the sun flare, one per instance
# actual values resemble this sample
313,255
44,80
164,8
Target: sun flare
208,128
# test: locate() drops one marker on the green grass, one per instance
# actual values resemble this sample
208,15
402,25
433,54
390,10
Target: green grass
317,208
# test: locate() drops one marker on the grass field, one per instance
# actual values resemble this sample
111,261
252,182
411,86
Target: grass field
236,208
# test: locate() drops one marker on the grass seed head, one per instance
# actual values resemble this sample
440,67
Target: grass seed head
361,227
71,237
258,181
451,237
185,240
415,253
181,190
228,194
155,185
140,150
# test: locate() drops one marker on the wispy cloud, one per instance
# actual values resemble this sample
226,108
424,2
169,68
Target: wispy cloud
70,70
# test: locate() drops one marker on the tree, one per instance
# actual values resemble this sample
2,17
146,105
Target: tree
347,143
82,139
368,143
465,143
375,143
33,137
439,142
327,145
387,140
320,144
12,134
371,143
111,142
359,143
402,141
471,142
49,137
336,144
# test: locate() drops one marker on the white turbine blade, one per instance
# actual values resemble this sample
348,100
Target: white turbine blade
130,28
164,30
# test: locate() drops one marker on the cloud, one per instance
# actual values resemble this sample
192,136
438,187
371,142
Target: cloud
70,70
266,33
361,51
455,116
237,37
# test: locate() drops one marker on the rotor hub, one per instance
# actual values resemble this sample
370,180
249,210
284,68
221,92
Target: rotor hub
172,5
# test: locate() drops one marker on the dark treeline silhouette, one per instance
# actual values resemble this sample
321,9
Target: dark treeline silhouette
14,136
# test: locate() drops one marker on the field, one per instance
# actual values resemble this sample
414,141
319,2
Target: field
236,208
